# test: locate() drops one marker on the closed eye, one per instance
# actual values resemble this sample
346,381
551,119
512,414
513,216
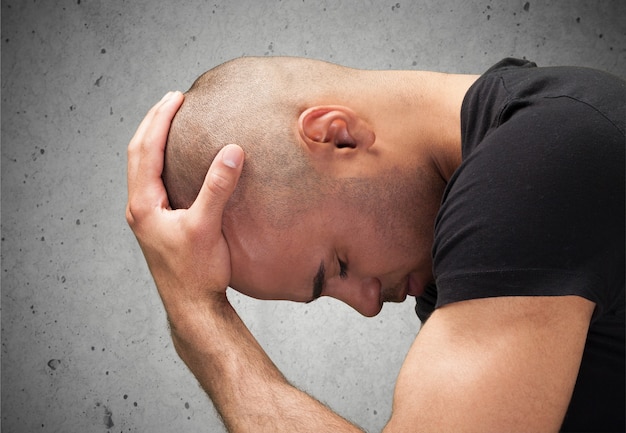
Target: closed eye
343,270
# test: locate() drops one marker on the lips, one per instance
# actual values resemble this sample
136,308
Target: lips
410,285
414,288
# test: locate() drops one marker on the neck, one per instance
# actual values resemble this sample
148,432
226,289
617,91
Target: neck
419,112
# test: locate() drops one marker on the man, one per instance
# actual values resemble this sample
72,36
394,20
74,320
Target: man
514,180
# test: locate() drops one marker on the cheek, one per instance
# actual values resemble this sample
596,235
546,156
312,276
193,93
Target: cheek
275,278
395,248
408,230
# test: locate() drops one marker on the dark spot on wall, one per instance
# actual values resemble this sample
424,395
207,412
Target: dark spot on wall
54,364
97,83
103,51
125,396
186,405
578,20
396,6
108,418
526,6
77,222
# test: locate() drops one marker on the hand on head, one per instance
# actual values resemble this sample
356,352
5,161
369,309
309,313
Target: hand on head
185,249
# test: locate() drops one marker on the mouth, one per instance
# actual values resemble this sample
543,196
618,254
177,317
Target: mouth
413,286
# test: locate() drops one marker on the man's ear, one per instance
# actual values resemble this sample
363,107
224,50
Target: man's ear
326,129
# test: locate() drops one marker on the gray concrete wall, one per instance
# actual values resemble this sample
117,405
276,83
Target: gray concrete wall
85,347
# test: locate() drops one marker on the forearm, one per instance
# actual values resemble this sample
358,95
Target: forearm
245,386
188,256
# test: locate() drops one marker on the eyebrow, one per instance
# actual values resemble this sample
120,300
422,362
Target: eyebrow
318,282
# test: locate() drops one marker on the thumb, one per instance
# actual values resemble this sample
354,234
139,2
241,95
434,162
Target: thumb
219,183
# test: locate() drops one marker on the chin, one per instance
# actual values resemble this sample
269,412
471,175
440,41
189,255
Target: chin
397,299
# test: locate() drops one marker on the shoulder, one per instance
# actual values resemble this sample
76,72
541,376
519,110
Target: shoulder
513,84
537,206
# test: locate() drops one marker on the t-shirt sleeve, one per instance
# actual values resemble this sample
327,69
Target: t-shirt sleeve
536,209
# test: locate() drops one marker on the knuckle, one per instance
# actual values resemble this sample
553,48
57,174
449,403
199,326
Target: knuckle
219,183
160,110
133,214
133,149
130,218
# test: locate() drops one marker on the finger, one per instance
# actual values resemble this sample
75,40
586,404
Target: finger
143,126
153,145
137,141
145,158
219,184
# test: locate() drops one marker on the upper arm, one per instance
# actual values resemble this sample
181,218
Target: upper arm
496,364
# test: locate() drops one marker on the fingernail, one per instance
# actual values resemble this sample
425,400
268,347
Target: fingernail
231,157
167,96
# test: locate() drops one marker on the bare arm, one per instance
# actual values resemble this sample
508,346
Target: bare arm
190,262
493,365
247,389
503,364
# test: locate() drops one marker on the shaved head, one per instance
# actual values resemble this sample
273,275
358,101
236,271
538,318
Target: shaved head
255,103
326,176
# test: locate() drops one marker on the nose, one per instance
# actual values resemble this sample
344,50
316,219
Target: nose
361,294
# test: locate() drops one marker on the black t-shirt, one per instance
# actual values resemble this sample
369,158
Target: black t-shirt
537,209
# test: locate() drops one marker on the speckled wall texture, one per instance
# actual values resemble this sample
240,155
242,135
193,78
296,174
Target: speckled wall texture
85,346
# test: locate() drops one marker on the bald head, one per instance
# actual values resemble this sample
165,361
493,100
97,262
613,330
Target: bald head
255,103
